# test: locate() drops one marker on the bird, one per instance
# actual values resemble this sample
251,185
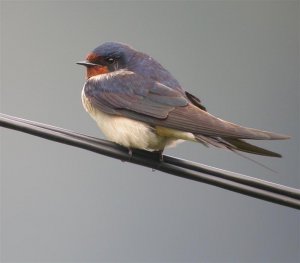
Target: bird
138,104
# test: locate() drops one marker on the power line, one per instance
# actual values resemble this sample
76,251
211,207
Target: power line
236,182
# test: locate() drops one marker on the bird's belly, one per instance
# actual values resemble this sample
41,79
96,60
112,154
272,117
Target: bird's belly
130,133
127,132
134,134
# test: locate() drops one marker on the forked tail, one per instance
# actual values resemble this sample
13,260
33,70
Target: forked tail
235,145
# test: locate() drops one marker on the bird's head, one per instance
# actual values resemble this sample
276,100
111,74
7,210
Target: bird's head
108,57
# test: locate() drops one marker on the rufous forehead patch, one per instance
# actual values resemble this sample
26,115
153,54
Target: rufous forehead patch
92,57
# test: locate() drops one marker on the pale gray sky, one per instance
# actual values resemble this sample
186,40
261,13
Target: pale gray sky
62,204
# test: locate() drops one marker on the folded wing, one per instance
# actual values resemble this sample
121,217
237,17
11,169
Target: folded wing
130,95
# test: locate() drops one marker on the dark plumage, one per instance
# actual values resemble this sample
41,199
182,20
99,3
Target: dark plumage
124,84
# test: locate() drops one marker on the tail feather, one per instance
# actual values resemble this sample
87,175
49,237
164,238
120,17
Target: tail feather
235,145
243,146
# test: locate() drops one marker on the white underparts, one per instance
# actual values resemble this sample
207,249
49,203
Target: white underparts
134,134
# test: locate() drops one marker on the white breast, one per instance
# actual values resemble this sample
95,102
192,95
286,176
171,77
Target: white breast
127,132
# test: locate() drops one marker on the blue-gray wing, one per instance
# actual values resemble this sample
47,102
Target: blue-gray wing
131,95
126,90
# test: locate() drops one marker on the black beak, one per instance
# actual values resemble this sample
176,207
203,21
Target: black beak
86,63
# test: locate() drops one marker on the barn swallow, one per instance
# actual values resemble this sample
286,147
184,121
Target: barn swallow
137,103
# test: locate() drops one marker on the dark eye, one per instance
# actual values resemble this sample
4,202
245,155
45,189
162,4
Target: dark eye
110,60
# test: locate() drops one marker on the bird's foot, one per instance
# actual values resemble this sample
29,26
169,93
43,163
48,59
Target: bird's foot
160,155
130,154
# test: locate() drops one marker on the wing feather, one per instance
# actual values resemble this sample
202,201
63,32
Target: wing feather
131,95
129,91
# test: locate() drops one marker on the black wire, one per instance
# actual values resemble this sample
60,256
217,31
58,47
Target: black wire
243,184
182,163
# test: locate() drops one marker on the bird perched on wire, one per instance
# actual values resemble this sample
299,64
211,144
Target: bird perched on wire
137,103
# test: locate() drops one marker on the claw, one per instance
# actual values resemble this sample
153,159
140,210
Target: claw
160,155
130,154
